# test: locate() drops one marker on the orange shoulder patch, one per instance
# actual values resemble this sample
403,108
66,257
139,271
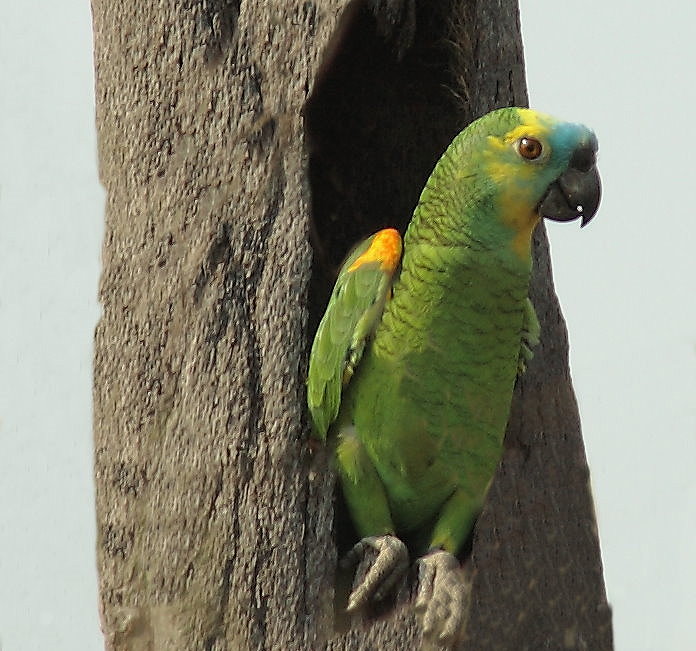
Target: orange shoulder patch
385,249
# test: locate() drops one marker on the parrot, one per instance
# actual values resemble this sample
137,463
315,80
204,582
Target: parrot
413,365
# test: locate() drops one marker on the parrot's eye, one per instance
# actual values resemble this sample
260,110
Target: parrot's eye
529,148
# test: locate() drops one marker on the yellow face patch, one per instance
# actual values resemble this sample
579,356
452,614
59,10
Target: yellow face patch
533,124
515,175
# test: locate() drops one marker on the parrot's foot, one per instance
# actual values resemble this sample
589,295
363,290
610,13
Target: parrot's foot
390,565
443,595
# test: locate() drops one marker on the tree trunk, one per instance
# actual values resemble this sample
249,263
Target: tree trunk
230,135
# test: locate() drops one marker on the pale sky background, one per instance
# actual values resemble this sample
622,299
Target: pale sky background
626,284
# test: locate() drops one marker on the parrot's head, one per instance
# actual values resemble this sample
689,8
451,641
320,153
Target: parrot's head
506,171
513,167
541,167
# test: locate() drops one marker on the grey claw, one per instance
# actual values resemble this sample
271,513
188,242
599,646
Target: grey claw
389,566
442,599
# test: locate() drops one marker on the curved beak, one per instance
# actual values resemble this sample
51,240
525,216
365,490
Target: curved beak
575,193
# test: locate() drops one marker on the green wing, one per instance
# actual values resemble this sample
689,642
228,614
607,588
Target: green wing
354,310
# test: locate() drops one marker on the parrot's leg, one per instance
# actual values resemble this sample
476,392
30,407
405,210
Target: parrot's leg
443,595
455,522
369,509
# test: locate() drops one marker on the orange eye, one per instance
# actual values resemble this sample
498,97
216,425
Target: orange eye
529,148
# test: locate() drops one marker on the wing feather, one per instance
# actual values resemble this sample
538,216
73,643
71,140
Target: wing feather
354,311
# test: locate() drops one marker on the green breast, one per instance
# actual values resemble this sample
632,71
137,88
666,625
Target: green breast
432,400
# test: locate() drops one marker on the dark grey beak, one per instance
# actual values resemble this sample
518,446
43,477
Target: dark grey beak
575,193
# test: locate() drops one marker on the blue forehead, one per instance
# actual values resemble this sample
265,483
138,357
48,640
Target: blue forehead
565,137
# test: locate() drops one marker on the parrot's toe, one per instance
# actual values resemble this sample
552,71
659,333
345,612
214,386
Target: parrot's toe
443,596
389,566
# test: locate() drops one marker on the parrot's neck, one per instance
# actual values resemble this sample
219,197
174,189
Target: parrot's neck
461,272
473,243
452,289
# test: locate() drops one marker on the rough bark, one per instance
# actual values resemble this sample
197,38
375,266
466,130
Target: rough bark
230,135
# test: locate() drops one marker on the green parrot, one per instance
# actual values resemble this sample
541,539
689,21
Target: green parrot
413,365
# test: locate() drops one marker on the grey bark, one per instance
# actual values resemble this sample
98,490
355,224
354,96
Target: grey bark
230,135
